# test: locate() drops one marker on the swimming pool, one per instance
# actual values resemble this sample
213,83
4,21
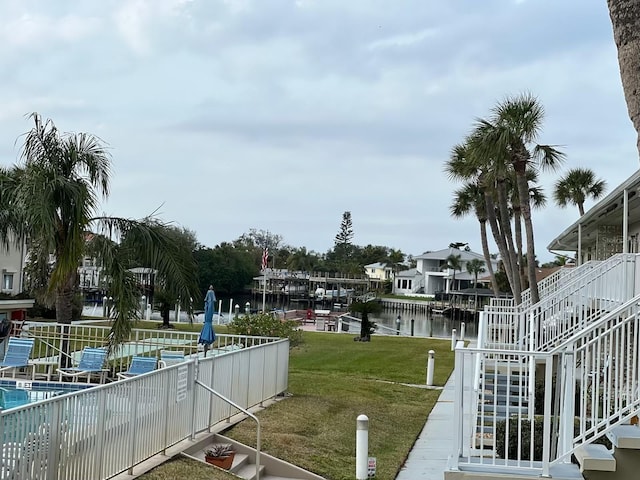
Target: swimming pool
16,393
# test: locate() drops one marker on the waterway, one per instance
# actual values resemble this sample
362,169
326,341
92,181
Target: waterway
424,325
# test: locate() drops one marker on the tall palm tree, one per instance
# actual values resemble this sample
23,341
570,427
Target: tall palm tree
55,194
511,134
576,186
470,162
625,19
453,262
470,198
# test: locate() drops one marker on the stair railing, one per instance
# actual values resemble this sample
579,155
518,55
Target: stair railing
243,410
602,373
601,287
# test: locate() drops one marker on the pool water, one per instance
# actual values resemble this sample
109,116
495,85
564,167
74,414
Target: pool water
16,393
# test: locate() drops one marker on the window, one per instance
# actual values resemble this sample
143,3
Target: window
7,281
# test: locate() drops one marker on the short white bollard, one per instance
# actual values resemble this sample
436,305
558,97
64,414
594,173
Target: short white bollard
104,307
453,339
362,447
462,331
148,317
430,366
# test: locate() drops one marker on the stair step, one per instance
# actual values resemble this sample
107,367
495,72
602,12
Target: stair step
488,408
595,457
248,471
502,389
501,399
625,436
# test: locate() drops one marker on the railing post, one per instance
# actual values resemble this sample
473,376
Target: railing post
568,405
453,339
546,425
458,407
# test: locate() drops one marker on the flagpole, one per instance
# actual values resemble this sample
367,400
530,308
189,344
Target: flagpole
264,291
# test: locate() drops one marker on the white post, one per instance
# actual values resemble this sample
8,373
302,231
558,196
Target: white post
104,306
264,291
230,309
462,330
362,447
247,308
143,305
453,339
430,366
219,311
177,312
148,312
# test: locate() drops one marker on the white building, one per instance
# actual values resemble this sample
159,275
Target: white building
432,274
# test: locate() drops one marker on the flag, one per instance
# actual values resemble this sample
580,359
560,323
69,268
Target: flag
265,257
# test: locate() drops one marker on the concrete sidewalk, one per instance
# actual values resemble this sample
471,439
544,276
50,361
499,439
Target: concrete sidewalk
428,457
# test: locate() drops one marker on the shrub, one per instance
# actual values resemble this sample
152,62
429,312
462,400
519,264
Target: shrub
524,436
267,325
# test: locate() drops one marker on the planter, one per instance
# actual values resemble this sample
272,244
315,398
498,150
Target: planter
222,462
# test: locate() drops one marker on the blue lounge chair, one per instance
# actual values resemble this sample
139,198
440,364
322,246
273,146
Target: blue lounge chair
139,365
17,354
91,361
171,357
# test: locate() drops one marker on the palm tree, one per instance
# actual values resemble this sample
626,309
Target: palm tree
469,163
364,309
475,267
625,19
511,135
54,196
466,199
453,262
576,186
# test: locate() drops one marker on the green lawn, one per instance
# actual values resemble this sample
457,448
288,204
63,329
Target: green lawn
332,380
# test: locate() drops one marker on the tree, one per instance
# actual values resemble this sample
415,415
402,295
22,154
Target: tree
453,262
345,234
70,173
510,135
625,19
576,186
466,199
365,309
475,267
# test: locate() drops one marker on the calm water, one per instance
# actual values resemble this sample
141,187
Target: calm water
423,325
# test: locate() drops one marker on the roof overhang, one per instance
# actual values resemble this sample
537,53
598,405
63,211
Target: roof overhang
608,211
11,305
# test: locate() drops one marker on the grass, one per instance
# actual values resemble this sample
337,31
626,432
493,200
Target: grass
332,380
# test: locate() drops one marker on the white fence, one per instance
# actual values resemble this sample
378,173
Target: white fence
100,432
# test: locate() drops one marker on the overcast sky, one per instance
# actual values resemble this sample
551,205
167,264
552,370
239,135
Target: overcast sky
280,115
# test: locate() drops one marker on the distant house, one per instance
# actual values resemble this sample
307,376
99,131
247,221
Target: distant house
12,262
378,271
432,275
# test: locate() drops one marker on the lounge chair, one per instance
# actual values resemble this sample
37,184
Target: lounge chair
171,357
91,361
17,354
139,365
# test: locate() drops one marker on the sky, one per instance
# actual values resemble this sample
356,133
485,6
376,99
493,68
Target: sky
227,115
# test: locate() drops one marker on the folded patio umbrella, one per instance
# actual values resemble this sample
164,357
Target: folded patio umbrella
207,335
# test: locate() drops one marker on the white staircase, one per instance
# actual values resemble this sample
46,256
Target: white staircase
581,344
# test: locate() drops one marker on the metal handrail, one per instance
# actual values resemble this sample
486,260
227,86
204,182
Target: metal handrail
246,412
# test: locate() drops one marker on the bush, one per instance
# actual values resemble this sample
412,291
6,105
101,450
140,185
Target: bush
524,436
267,325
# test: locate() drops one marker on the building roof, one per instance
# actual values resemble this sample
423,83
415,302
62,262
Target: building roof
377,265
607,211
412,272
465,256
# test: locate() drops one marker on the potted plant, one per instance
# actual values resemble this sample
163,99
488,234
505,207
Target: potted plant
221,455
